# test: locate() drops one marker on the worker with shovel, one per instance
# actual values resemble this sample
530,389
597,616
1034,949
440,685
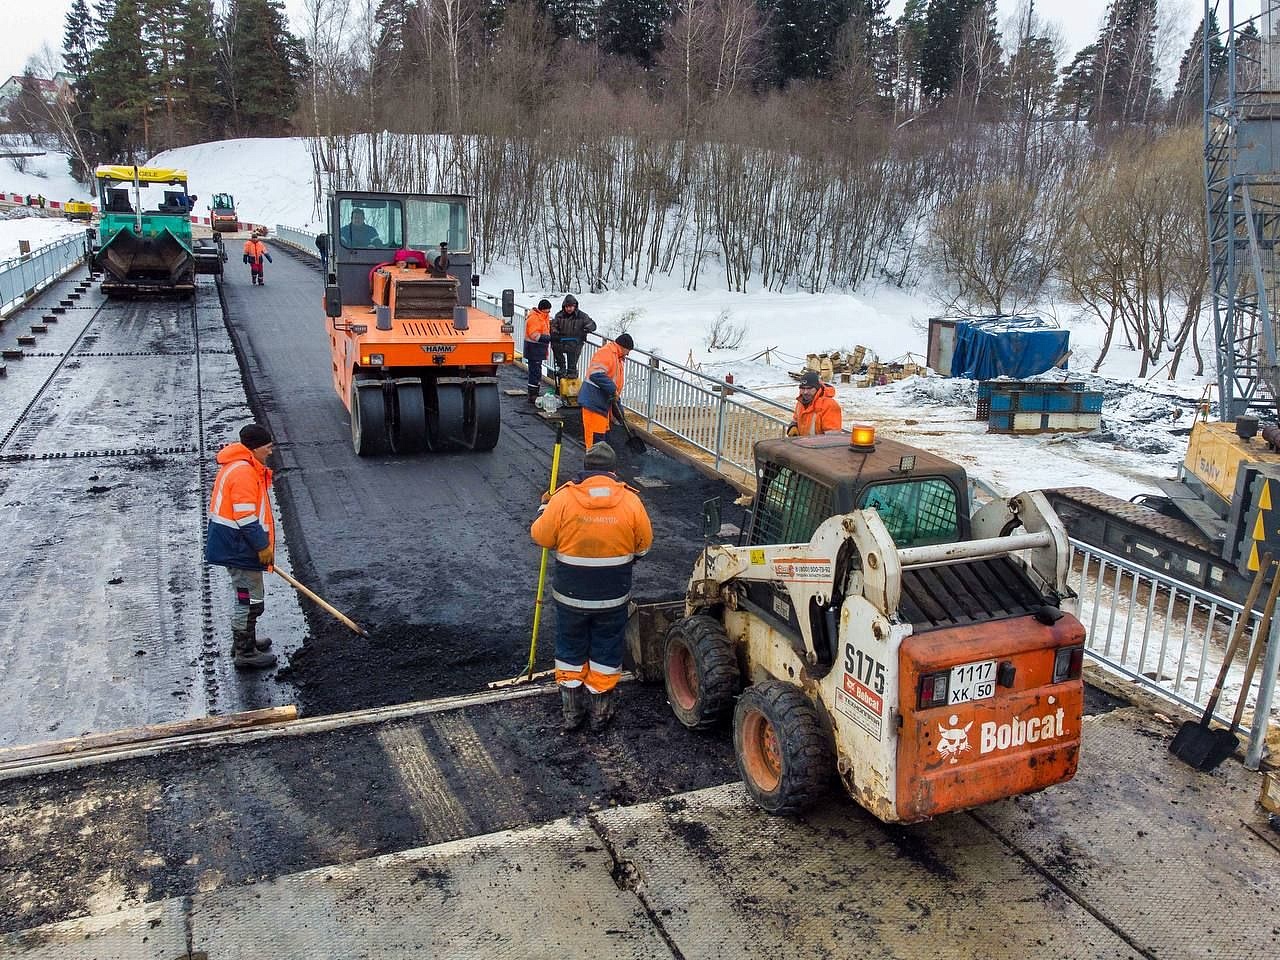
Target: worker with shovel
242,538
597,527
601,387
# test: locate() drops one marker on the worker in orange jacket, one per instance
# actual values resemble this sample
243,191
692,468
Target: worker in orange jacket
537,335
816,408
242,538
254,252
602,388
597,527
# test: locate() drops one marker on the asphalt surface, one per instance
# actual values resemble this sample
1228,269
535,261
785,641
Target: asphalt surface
431,552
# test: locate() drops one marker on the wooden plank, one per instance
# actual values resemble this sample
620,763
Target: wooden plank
159,731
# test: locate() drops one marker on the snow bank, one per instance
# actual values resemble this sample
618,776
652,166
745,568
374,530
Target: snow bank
37,230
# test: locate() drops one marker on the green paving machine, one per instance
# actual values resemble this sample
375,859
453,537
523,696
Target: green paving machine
144,242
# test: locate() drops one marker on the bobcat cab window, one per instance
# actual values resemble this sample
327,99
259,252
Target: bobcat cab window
366,224
790,507
431,222
916,512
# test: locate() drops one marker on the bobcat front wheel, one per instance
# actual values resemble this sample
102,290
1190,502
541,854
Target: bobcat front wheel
700,672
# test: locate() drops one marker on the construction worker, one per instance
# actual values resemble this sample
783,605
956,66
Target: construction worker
254,251
357,233
242,538
816,408
601,388
537,334
597,527
569,329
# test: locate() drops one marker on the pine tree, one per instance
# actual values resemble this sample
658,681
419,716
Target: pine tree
78,39
940,50
202,108
261,64
869,22
1076,94
981,57
1124,69
1188,93
160,25
121,80
908,47
632,28
803,36
572,19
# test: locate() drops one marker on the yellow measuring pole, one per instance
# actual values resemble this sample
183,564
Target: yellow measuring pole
542,567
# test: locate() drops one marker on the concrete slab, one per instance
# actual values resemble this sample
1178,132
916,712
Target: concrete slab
1068,873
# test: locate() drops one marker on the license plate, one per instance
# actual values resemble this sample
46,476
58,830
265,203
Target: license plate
972,681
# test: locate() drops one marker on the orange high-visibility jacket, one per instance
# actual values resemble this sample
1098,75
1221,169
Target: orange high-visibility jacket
606,369
821,416
240,519
597,527
537,323
254,250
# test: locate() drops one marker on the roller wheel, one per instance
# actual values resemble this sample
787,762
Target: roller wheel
368,419
700,671
410,432
445,420
783,751
486,420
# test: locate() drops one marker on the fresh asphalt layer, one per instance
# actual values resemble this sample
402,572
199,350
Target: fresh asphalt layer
430,552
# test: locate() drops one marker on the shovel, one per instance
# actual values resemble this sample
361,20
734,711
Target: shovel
634,443
1196,744
321,602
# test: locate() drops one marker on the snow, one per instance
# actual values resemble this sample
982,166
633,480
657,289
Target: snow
37,230
47,175
1145,422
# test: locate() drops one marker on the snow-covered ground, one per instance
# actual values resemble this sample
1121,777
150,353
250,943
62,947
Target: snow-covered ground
1144,422
36,230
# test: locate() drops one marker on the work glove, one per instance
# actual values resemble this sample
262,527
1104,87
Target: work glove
268,256
246,258
545,338
267,557
793,430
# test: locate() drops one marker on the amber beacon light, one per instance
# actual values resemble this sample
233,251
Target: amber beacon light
863,436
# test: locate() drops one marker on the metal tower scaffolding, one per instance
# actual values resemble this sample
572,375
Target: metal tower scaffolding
1242,194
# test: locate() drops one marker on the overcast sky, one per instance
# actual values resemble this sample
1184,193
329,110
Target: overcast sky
30,23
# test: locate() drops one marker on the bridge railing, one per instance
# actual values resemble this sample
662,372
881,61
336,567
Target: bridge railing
1170,638
22,277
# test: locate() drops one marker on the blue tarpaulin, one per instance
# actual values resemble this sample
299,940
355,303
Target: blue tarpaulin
1007,347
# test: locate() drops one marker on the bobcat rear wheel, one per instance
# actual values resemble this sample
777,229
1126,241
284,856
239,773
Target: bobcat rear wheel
783,750
700,672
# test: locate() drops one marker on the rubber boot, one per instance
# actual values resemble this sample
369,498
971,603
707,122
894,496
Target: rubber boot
601,709
247,656
533,394
573,706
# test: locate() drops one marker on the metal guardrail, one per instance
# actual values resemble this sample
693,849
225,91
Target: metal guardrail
23,277
1168,636
302,240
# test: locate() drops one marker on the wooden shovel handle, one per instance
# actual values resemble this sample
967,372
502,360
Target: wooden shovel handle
1254,589
320,601
1259,644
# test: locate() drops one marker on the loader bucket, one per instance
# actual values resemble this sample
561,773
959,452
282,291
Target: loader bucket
150,264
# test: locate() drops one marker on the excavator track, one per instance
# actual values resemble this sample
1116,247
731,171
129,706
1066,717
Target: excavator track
1167,544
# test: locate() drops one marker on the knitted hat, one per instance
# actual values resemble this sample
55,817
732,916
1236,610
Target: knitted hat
254,436
544,304
625,342
810,379
600,457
